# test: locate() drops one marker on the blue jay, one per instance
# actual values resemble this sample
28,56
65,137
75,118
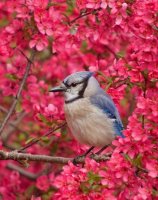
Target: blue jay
90,113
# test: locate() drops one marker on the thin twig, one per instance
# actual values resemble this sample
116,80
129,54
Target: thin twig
121,82
12,126
11,110
83,15
14,155
144,95
111,51
3,109
36,140
28,59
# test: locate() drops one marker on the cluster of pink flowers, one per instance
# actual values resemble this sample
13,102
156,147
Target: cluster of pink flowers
118,40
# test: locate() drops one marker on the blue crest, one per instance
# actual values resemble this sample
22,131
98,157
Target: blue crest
77,77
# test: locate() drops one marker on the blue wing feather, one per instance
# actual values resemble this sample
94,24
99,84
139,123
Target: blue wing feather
106,104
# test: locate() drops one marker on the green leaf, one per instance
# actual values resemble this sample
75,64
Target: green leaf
4,22
47,195
18,107
137,162
71,6
11,77
51,4
129,11
155,192
129,67
30,140
120,54
84,46
123,102
93,178
84,188
44,139
44,120
22,136
96,188
127,157
108,86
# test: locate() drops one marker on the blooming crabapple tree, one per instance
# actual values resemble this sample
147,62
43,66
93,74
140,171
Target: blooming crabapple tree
43,41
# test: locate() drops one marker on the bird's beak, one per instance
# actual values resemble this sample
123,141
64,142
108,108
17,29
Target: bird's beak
60,88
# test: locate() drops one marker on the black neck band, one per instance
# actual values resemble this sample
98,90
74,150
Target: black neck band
72,100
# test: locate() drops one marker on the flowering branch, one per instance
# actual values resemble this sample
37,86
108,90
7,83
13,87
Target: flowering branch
111,51
14,155
84,14
36,140
30,60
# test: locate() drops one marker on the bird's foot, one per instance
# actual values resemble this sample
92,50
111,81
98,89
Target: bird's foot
96,156
81,158
93,155
78,160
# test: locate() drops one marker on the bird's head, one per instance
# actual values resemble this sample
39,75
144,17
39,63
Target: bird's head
78,85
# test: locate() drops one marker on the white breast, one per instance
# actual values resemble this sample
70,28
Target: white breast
88,124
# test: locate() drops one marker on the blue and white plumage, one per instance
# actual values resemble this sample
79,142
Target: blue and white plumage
90,113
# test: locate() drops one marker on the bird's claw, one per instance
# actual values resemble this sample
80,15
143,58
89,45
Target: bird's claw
78,159
92,155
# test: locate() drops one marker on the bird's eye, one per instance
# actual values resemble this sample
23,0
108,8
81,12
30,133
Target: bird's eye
73,84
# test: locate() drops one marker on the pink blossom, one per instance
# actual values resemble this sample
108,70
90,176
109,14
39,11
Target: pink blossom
35,198
39,42
115,39
50,110
42,183
152,167
45,28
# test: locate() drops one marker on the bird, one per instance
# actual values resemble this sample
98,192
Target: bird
90,112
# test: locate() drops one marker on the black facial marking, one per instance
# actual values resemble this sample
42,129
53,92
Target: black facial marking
81,92
74,84
83,89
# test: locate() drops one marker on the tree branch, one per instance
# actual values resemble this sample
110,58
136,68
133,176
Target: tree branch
6,119
23,172
14,155
27,174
